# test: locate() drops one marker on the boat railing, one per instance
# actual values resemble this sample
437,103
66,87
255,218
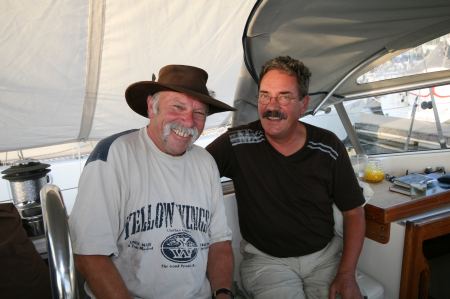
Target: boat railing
60,255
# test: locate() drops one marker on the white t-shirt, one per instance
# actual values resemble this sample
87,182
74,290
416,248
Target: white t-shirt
155,214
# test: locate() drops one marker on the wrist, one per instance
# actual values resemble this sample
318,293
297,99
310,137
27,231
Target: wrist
222,293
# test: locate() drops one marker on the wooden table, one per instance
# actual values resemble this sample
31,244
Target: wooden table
425,216
386,207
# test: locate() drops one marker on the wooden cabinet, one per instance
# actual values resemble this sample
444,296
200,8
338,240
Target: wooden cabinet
425,216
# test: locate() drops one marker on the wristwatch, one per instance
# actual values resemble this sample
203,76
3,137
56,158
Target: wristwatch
223,291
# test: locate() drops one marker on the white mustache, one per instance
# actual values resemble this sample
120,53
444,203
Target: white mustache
180,130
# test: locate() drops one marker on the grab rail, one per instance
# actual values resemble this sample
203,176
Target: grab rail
60,255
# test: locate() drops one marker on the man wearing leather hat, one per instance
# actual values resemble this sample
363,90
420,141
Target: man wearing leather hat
149,219
180,78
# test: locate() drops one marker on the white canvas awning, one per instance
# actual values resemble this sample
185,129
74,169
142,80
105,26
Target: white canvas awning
65,65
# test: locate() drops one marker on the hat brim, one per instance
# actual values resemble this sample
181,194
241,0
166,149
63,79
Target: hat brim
137,93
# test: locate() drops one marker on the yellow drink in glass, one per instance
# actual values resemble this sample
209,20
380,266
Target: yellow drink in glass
373,173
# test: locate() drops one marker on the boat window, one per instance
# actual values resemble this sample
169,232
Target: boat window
416,120
431,56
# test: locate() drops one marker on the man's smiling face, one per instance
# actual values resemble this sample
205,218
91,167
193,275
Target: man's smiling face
280,120
176,121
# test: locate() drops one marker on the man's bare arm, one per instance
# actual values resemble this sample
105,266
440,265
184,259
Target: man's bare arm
354,233
220,266
102,276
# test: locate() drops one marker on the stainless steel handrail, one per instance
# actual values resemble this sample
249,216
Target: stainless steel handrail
60,255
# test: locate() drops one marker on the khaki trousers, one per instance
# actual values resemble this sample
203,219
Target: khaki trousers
267,277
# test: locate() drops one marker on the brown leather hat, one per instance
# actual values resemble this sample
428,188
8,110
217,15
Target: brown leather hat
181,78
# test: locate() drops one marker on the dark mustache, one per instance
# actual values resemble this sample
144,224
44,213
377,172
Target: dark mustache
274,113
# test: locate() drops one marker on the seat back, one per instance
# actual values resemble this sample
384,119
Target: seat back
60,255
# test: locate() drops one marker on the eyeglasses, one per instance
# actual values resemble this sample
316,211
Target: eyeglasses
282,99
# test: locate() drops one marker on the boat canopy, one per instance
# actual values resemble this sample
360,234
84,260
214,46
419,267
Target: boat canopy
339,41
65,65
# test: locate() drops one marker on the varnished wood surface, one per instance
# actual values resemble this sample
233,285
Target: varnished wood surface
386,206
379,232
415,273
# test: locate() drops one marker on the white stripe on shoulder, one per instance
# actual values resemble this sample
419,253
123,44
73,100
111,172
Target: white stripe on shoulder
246,136
324,148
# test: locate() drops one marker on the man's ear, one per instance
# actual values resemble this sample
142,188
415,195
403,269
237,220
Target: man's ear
150,111
305,102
